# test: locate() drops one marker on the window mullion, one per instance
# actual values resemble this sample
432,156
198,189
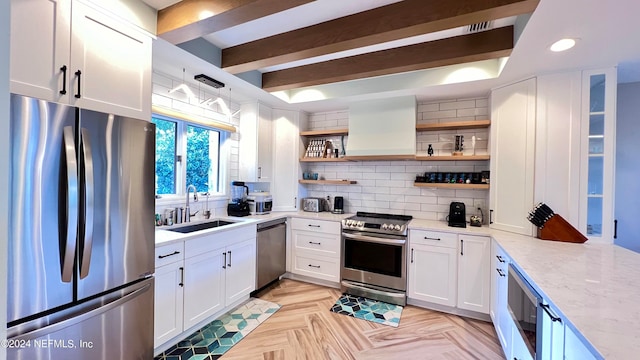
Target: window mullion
182,151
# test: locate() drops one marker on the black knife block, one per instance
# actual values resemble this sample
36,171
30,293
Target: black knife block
559,229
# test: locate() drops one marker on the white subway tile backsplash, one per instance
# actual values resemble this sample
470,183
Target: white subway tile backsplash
454,105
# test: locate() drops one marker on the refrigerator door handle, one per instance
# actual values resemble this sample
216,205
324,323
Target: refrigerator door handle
40,332
69,247
87,244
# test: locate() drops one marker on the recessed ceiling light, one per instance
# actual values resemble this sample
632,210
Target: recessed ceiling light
563,44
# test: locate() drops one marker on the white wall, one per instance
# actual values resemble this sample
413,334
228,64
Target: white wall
387,186
178,101
4,164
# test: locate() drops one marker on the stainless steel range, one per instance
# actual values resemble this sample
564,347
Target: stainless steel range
374,256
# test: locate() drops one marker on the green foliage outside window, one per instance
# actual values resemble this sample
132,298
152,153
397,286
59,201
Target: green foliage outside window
165,156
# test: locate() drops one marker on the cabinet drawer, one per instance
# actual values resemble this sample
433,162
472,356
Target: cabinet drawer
323,244
321,226
321,268
435,238
168,254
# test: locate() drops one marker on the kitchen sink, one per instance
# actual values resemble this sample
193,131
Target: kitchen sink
202,226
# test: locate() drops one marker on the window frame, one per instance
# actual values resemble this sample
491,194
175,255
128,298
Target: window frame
181,151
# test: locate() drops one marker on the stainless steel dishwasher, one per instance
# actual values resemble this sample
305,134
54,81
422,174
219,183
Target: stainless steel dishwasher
271,251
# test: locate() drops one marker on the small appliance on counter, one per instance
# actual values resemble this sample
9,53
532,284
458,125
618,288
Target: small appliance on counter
260,202
457,215
312,204
239,206
338,205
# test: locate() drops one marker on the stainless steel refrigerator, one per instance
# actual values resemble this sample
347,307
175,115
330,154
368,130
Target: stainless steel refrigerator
81,246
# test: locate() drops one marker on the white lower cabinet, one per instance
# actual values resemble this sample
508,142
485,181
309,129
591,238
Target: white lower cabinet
315,249
574,347
433,267
519,350
201,277
168,297
204,281
474,282
499,312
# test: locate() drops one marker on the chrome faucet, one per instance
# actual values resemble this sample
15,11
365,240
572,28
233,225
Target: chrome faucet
187,212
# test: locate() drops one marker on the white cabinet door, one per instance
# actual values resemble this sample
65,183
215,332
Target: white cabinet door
110,65
168,300
519,350
204,284
433,274
512,156
39,48
256,141
240,270
474,282
575,348
286,165
552,334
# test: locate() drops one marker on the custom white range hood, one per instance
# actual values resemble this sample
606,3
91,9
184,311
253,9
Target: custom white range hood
384,128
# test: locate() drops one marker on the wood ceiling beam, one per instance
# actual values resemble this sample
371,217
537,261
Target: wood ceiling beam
484,45
191,19
387,23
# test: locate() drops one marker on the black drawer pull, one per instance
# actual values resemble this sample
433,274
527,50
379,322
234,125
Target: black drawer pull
500,258
314,266
314,243
313,225
164,256
546,309
64,79
428,238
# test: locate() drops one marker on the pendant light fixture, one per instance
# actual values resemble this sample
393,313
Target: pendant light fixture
184,88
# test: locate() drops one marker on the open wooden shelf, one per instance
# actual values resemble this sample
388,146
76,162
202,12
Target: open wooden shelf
319,159
456,125
328,182
324,132
453,158
380,157
452,186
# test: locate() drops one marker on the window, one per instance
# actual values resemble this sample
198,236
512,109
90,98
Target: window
186,154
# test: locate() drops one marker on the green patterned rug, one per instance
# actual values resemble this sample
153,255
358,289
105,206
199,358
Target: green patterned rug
220,335
367,309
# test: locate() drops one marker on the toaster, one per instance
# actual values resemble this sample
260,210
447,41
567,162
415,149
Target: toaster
312,204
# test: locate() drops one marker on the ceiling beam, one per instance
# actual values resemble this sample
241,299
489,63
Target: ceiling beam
387,23
484,45
191,19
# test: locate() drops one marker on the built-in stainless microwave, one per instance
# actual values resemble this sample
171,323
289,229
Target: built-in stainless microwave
525,307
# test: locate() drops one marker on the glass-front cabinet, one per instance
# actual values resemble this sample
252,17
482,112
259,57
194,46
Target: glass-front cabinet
598,149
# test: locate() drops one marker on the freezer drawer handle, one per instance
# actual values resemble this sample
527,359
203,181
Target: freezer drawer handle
80,318
85,260
69,248
64,79
164,256
78,74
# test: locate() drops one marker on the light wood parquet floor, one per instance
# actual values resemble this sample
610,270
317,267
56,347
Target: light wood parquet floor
304,328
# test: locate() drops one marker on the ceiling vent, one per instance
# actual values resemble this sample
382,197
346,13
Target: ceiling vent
482,26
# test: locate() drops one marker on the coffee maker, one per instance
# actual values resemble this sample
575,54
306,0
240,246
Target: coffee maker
457,215
239,206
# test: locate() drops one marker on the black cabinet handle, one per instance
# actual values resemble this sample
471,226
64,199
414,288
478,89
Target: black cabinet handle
181,277
500,258
546,309
412,255
314,266
490,216
313,225
78,74
501,272
428,238
224,263
615,229
314,243
64,79
164,256
461,247
229,264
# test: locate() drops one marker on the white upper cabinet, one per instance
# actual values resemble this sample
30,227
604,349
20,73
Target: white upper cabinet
68,52
256,143
512,156
286,152
40,48
598,154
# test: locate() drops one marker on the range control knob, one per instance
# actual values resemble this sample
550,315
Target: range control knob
384,226
360,223
397,227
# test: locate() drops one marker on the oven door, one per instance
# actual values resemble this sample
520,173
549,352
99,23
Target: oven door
374,259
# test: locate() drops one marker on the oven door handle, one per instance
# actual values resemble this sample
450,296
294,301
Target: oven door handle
374,239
